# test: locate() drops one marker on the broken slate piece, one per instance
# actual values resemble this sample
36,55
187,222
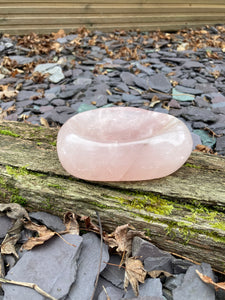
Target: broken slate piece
112,273
89,259
5,225
151,287
144,249
112,293
193,287
52,222
160,83
158,263
52,266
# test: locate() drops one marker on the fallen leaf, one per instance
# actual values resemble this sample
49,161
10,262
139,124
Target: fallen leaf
207,279
60,34
18,214
43,232
13,211
71,223
157,273
134,273
122,238
44,122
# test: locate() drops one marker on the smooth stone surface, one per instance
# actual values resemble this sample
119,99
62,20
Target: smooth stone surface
88,263
52,266
123,144
192,287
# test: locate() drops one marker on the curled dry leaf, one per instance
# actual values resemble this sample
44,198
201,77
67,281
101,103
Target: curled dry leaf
8,244
89,225
207,279
44,234
134,273
122,238
71,223
13,211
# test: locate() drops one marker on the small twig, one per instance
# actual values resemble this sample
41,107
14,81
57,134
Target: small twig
29,285
59,235
100,260
107,296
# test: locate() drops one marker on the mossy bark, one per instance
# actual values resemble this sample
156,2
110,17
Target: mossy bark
183,213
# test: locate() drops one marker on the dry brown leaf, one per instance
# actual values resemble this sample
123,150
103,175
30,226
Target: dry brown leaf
44,234
8,244
207,279
122,238
13,211
134,273
44,122
157,273
60,34
203,148
8,94
71,223
89,225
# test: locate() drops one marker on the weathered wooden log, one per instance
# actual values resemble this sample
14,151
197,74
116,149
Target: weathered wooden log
183,213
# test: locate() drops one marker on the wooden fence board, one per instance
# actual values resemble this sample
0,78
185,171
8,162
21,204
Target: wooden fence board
21,17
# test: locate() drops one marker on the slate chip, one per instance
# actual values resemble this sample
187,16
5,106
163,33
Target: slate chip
42,263
193,287
88,263
160,83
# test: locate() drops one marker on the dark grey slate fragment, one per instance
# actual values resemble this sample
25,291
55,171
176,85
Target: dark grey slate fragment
5,225
6,105
198,114
220,145
180,265
147,298
114,98
206,88
112,273
190,83
70,91
158,263
160,83
151,287
144,69
52,266
112,292
52,222
83,287
27,95
64,108
142,83
200,102
143,249
131,98
58,102
191,64
174,281
193,287
188,90
46,108
41,102
51,116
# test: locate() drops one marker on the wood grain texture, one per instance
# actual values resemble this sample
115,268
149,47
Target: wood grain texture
182,213
22,17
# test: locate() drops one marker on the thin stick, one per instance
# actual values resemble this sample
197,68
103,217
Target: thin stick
100,260
29,285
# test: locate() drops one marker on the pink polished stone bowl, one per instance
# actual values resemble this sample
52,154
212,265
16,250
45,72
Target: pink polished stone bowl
123,144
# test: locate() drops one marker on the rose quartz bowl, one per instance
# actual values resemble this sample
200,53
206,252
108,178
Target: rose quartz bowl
123,144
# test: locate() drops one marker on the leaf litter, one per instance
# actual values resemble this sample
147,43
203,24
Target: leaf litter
120,240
